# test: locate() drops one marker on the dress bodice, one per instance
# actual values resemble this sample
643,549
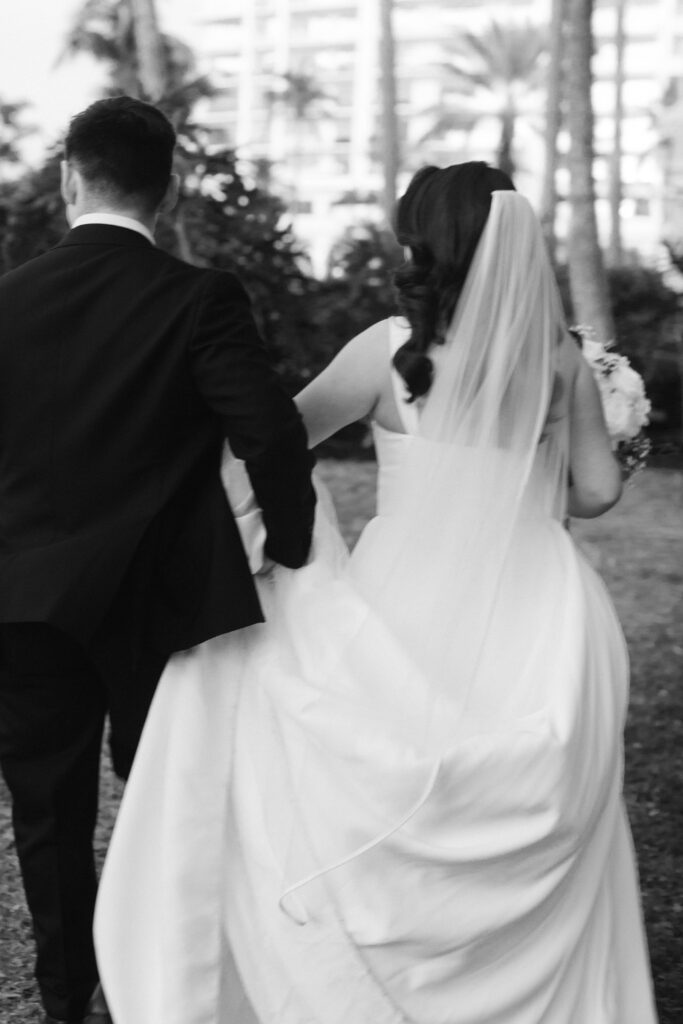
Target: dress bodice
391,446
546,488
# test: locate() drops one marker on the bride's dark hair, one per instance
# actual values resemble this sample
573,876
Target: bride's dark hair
440,219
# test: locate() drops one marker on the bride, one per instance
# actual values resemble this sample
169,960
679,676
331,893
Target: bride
399,800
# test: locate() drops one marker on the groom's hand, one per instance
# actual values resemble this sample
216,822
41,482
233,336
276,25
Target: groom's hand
267,568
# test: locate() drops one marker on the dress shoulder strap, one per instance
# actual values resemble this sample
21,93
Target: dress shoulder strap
398,334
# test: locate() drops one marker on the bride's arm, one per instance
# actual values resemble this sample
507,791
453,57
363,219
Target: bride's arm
595,473
347,389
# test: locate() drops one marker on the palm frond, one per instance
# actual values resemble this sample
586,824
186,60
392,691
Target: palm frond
506,52
448,121
100,28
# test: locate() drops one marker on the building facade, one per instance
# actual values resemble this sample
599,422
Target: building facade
298,93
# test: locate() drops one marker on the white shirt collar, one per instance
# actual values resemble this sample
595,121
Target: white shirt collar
116,220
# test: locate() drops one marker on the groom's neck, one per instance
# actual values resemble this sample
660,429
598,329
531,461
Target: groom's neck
96,207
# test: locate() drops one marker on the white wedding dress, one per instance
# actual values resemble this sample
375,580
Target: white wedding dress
398,801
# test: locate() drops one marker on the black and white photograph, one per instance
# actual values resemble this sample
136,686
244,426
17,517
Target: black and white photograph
341,512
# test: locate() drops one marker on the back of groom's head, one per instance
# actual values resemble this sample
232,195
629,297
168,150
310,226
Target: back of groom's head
123,149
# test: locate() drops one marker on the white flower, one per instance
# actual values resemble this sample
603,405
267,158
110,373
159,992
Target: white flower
620,416
625,404
624,378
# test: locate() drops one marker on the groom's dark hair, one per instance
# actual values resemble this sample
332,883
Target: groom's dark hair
123,147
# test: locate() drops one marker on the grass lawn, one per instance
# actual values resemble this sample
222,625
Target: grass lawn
638,548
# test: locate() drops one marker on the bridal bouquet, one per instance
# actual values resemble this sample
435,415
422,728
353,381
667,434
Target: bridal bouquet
624,402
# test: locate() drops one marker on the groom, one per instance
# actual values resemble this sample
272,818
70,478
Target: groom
122,371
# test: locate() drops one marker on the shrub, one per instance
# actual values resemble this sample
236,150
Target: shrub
358,292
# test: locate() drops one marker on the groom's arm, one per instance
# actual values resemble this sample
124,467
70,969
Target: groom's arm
235,377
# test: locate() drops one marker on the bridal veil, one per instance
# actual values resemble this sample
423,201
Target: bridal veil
408,668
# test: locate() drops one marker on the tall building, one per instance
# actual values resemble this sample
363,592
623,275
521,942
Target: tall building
652,65
299,93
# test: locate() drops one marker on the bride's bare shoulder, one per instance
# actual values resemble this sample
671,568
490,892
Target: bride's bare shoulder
372,343
364,359
349,388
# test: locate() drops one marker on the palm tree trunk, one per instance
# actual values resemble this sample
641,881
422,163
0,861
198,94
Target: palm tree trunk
150,48
552,125
504,159
616,254
180,229
390,155
587,278
153,75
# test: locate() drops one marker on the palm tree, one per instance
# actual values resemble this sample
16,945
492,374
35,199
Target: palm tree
106,29
298,92
553,118
587,277
390,149
498,74
125,36
616,188
299,95
152,56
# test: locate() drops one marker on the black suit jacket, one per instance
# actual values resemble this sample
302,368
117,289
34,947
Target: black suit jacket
122,370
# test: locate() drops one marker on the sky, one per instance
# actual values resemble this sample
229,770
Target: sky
32,35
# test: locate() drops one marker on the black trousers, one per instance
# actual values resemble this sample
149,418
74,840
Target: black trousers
53,701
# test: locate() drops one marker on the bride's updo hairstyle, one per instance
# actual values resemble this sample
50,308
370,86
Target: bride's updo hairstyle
440,219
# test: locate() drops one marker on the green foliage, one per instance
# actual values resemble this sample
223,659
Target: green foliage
12,131
358,291
31,214
226,220
649,325
641,304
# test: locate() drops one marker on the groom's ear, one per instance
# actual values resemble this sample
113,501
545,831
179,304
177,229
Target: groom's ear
171,195
69,186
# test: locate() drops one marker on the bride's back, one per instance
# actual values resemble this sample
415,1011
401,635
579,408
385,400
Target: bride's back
396,421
